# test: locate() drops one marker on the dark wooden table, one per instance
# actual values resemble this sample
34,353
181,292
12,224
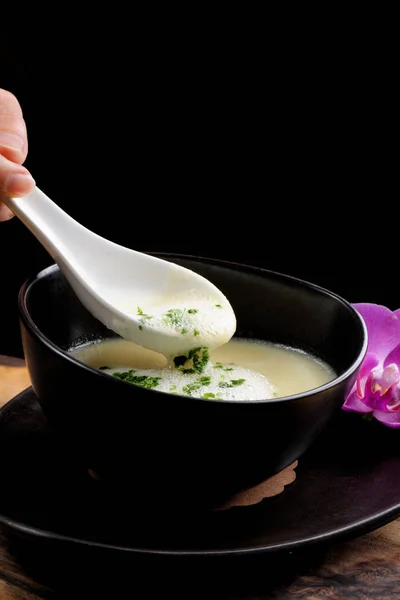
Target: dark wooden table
367,567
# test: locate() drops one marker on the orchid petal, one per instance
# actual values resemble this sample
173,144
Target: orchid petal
355,404
383,328
370,361
393,356
390,377
391,419
394,405
377,387
373,392
394,401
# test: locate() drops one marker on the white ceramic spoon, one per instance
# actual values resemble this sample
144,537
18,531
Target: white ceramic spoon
126,289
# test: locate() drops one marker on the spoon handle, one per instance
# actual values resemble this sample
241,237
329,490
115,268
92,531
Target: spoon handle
47,221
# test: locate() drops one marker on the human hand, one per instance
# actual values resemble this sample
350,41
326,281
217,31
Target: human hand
15,180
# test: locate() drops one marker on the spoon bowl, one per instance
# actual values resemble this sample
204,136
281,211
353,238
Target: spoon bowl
120,286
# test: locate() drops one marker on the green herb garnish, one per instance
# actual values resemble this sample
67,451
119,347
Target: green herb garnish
143,380
184,331
196,332
143,317
219,365
142,314
211,395
173,316
196,385
218,305
195,362
125,374
231,383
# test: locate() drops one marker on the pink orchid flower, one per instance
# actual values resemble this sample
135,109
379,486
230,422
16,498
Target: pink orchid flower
377,389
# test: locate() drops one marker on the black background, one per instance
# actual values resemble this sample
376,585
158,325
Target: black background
276,156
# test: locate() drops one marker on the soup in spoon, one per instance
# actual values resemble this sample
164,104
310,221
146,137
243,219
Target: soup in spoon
177,324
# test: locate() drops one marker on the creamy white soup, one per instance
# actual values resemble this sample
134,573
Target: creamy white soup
241,369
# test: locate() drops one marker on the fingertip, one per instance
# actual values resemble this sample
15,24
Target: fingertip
5,213
19,184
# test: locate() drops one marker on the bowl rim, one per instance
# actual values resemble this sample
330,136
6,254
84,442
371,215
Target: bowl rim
66,355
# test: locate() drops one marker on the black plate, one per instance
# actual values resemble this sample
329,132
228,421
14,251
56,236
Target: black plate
347,484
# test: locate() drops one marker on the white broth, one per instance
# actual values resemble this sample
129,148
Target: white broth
241,369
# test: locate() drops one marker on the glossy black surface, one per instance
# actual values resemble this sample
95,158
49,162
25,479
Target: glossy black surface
347,484
200,450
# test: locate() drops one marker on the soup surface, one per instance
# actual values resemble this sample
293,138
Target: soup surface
241,369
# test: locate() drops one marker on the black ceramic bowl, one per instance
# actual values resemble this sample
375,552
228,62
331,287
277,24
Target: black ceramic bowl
180,449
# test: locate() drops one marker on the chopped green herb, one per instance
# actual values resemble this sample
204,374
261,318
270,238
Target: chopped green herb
143,380
218,305
196,332
143,317
190,388
216,396
231,383
196,385
219,365
142,314
124,374
195,362
200,358
172,388
146,381
173,316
